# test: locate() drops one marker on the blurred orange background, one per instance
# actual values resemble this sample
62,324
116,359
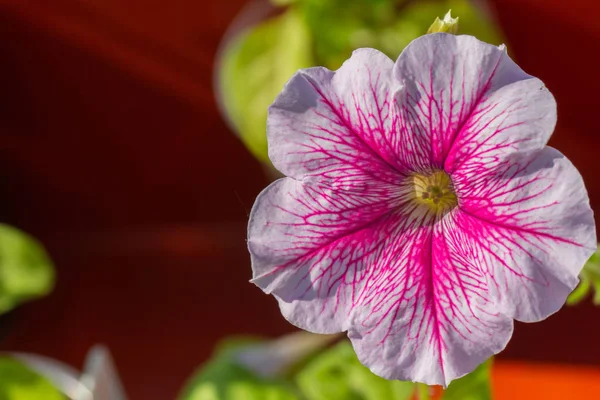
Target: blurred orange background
114,155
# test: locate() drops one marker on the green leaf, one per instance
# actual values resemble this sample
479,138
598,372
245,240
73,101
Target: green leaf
336,374
580,293
282,3
474,386
254,69
423,391
17,382
26,271
340,26
223,378
589,279
473,21
228,381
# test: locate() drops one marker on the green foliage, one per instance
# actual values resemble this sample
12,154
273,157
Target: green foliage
590,279
254,69
336,374
474,386
283,2
223,378
388,25
474,22
340,26
228,381
26,271
17,382
332,374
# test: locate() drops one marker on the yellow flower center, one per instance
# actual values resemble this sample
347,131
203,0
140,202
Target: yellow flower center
435,190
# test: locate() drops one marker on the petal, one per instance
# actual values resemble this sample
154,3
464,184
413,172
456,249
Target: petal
530,221
428,317
331,127
311,247
444,77
517,118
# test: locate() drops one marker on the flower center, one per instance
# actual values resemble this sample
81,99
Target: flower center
435,191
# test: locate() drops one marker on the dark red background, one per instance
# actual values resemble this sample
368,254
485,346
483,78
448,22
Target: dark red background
112,152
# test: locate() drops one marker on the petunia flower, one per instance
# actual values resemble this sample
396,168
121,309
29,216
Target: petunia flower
422,211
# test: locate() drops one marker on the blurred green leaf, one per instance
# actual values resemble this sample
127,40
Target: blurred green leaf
475,22
283,2
336,374
228,381
17,382
341,26
474,386
423,391
26,271
222,378
581,292
254,69
589,279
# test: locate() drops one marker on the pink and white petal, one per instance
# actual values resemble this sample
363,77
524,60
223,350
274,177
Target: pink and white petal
323,289
312,245
332,127
428,316
444,78
531,220
519,117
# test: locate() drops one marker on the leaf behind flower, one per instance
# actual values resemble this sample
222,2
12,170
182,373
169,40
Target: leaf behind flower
26,271
17,382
